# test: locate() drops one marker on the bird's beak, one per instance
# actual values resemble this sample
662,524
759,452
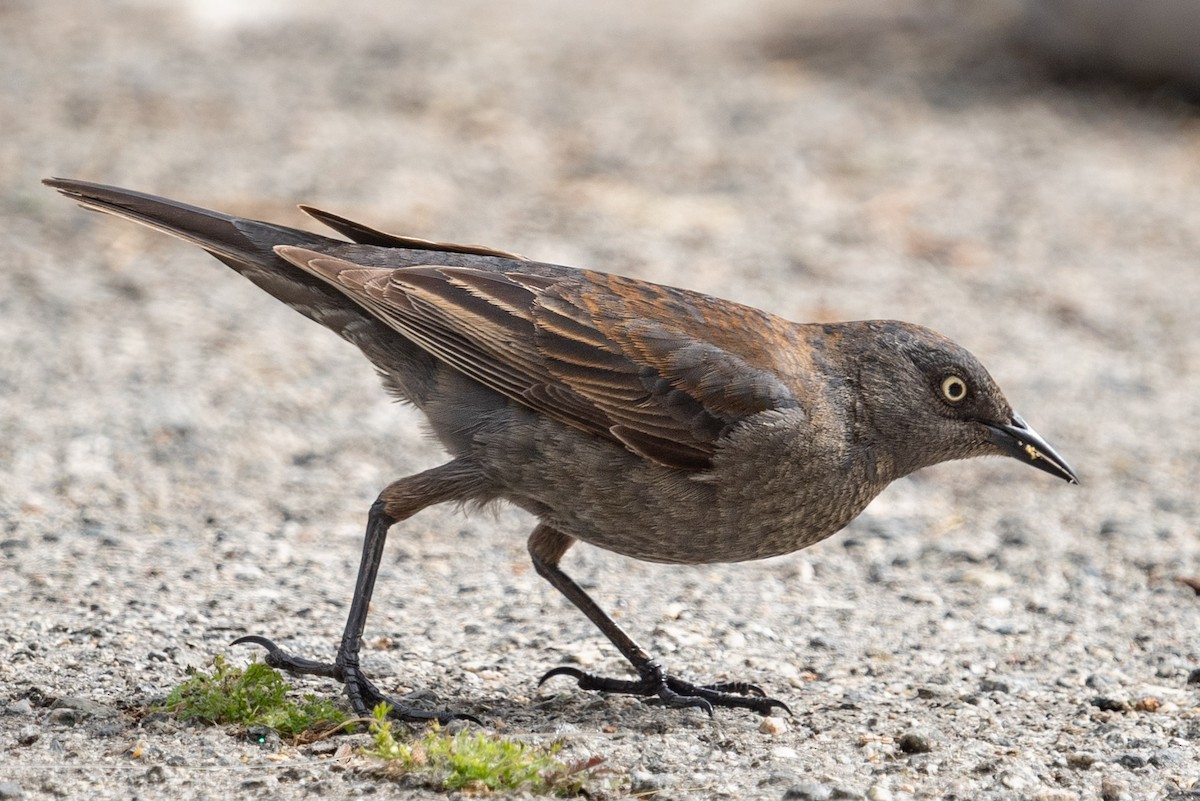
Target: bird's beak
1021,442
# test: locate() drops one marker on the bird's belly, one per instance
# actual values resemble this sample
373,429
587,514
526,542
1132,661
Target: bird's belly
662,515
755,502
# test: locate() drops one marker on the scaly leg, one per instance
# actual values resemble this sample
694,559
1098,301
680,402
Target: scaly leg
547,547
454,481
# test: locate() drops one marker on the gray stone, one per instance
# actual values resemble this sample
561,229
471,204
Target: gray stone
20,707
916,741
1109,704
808,791
86,706
643,782
1168,756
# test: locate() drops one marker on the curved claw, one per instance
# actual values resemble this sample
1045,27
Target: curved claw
562,670
772,702
282,660
256,640
649,685
444,718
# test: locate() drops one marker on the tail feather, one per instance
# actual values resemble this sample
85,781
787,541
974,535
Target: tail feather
370,236
234,237
248,247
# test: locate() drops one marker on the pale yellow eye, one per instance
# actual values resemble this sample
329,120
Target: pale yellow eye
954,388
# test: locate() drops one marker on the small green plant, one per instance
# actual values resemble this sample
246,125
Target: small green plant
479,762
255,696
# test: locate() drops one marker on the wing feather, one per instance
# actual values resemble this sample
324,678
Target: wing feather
646,366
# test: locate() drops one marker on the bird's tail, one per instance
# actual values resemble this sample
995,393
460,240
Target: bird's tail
248,247
225,236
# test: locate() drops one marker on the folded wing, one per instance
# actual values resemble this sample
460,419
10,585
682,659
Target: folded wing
650,367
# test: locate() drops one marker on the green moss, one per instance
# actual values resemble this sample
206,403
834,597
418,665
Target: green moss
468,760
255,696
477,761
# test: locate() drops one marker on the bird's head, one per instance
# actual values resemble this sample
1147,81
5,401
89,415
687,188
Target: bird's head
929,400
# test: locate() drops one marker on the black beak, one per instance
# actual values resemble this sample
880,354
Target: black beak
1021,442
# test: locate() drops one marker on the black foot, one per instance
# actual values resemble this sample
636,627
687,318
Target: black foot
668,690
364,696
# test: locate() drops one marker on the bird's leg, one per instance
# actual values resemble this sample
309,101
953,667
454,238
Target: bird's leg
547,547
400,500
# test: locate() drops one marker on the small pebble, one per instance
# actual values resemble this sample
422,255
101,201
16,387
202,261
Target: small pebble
878,792
915,741
1109,704
25,707
1168,756
809,791
999,605
1147,704
247,573
110,729
773,725
65,717
1054,795
1194,677
85,706
1016,779
11,790
776,777
1111,790
643,782
155,775
322,747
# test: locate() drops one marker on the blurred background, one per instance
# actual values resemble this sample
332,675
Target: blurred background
1024,177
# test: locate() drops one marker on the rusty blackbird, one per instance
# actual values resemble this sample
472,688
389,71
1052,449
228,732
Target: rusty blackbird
656,422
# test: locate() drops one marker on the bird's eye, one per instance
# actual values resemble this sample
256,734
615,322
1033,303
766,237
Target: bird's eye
954,388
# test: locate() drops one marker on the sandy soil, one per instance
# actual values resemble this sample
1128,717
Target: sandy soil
184,460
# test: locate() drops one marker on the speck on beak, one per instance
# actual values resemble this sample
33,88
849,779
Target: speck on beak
1021,442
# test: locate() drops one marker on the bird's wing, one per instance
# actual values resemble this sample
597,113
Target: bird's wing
662,371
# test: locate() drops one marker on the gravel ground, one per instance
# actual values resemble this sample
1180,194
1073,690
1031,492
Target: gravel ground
184,460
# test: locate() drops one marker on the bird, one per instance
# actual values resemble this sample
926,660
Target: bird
655,422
